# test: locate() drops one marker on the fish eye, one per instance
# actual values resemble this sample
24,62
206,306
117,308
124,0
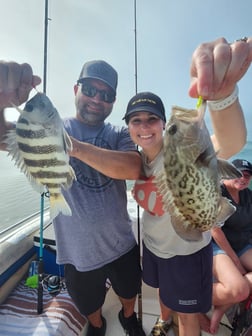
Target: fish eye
29,107
172,129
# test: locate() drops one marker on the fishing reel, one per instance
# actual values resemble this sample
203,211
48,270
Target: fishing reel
53,284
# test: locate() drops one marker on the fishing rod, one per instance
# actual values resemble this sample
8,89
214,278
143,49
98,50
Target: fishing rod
41,239
45,46
139,299
40,261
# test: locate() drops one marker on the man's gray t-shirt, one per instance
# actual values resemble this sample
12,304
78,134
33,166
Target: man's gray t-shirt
99,230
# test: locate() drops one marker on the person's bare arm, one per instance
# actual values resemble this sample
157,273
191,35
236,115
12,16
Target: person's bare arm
115,164
216,68
229,130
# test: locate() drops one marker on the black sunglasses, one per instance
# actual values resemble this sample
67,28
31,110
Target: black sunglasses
91,91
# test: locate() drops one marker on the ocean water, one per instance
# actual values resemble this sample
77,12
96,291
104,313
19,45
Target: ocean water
18,200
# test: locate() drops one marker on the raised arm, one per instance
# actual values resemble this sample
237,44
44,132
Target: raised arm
16,82
215,70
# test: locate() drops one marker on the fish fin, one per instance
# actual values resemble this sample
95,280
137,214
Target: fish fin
68,146
70,178
186,234
13,150
11,141
15,154
58,204
226,209
162,189
227,170
205,158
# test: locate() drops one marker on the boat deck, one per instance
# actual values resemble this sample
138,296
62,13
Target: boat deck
150,307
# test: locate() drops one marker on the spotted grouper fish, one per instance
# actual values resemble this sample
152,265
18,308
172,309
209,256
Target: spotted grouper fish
39,146
190,180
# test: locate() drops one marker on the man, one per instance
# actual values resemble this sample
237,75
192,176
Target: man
97,242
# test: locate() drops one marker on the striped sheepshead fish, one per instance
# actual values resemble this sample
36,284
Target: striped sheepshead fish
190,180
39,146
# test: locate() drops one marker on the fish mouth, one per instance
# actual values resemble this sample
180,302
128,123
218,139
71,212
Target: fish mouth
190,116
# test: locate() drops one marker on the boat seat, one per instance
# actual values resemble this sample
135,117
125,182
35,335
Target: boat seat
18,314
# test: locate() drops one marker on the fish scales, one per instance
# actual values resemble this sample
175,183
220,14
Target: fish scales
39,145
190,180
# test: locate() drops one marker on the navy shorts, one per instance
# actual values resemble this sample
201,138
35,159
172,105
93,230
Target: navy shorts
217,250
88,289
184,282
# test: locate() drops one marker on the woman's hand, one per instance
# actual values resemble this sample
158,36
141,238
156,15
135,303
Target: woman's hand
217,66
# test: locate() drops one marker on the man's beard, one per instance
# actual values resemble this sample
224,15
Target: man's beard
91,117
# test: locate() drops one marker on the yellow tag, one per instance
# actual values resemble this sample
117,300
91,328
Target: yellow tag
199,102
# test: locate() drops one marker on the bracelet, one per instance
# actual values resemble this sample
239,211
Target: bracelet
221,104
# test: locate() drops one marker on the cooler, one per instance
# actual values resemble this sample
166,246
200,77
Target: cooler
49,251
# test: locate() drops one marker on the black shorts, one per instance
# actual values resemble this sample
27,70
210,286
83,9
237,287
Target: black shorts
184,282
88,289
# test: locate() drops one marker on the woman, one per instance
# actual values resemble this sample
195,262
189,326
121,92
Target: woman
181,270
232,248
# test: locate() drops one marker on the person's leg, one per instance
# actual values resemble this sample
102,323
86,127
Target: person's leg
188,324
125,275
88,291
165,311
96,319
151,278
186,287
164,322
128,306
231,287
246,260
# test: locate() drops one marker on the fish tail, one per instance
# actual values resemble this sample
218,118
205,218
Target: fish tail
58,204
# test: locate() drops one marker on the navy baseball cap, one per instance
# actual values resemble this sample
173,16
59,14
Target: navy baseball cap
100,70
145,102
243,165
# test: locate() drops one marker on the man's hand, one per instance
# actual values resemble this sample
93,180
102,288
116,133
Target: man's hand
16,82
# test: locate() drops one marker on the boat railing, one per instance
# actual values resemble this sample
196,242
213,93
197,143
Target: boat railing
29,223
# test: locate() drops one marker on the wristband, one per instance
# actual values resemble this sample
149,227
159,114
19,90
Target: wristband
221,104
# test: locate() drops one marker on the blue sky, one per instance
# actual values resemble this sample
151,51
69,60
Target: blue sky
80,30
